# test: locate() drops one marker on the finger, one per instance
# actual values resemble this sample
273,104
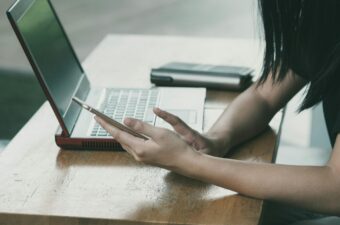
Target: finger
179,126
141,127
122,137
126,148
190,135
129,150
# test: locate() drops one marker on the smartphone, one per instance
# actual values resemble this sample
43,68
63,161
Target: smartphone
109,120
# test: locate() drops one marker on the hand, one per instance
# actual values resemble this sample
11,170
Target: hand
204,143
164,148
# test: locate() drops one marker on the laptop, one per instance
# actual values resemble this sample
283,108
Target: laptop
62,77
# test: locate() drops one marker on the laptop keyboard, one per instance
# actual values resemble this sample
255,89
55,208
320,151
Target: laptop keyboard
136,103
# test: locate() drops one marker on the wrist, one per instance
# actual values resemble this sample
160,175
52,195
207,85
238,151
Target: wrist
188,164
220,141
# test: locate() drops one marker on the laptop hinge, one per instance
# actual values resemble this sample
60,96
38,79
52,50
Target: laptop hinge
73,110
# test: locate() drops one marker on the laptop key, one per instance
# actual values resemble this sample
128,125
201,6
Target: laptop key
123,103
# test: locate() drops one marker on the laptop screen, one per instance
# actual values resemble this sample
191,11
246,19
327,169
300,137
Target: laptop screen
53,56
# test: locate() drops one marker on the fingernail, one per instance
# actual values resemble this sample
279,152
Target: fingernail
156,109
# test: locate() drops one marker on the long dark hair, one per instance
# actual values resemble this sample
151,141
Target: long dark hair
303,36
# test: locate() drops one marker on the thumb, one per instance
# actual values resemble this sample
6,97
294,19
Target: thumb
141,127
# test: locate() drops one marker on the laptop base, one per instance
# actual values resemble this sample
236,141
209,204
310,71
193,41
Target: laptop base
87,144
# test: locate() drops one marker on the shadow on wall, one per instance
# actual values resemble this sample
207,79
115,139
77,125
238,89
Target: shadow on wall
20,97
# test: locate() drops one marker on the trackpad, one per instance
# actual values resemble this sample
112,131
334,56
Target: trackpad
188,116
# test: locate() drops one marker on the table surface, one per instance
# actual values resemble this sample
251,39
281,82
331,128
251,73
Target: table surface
42,184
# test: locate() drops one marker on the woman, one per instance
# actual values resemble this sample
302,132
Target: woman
302,47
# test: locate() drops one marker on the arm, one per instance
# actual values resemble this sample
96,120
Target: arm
312,187
250,113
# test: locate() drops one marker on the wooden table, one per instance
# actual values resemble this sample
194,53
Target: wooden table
42,184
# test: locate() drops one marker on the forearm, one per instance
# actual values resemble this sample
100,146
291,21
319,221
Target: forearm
251,111
247,116
314,188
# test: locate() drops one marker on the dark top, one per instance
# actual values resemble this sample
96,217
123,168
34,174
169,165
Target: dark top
331,102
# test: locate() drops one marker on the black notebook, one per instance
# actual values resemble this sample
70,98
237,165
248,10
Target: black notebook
201,75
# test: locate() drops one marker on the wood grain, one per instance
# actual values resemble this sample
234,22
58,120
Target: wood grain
42,184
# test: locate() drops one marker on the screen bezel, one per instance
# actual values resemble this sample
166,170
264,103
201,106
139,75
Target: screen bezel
14,14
